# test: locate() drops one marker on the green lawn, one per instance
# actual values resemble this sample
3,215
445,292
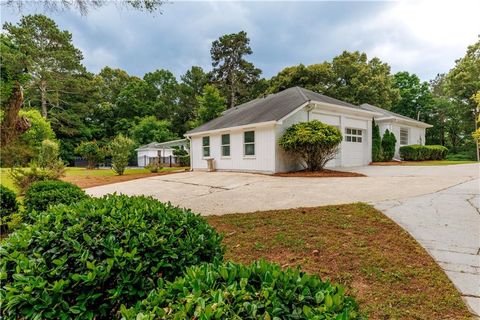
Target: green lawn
436,162
75,172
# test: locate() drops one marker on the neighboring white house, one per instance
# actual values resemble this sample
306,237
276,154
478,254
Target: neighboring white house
162,151
245,138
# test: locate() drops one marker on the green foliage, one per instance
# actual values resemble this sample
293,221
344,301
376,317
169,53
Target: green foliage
260,290
120,149
154,166
234,75
376,143
8,205
350,77
314,142
49,153
83,261
184,161
40,129
23,178
417,152
150,129
42,194
388,145
211,104
92,152
415,96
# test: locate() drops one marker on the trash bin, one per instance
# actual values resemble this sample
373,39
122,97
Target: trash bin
210,164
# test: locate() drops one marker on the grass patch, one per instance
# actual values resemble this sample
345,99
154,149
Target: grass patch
89,178
388,272
436,162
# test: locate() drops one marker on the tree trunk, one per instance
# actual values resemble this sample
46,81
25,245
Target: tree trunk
12,125
232,91
43,94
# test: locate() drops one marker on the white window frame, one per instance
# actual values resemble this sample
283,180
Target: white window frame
205,147
249,143
222,145
353,135
407,137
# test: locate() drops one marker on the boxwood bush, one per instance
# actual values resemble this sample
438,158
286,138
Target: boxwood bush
232,291
85,260
42,194
416,152
8,208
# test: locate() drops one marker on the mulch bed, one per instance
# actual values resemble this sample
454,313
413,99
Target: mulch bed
320,174
387,163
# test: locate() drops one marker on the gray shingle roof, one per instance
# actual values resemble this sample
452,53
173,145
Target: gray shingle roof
271,108
387,113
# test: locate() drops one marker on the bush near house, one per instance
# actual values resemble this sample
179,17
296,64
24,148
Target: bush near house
42,194
388,145
376,143
260,290
314,142
417,152
85,260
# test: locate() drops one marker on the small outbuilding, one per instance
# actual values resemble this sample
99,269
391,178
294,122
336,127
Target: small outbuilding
161,152
245,138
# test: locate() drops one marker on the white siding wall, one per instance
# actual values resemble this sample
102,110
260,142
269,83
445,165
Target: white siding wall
263,161
416,135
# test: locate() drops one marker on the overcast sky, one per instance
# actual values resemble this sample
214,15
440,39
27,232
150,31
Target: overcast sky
423,37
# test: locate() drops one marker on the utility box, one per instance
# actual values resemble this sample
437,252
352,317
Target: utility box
210,164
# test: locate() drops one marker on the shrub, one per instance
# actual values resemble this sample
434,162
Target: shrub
232,291
376,143
8,207
388,145
417,152
314,142
91,152
120,149
40,195
48,154
23,178
154,166
83,261
184,161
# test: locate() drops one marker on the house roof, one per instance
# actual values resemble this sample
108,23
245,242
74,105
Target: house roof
162,145
270,108
390,114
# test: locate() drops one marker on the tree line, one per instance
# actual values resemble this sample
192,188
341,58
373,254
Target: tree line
47,93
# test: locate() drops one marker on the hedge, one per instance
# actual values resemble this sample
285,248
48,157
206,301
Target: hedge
233,291
42,194
85,260
417,152
8,201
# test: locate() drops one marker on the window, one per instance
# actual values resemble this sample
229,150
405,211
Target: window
353,135
403,136
249,143
206,146
225,145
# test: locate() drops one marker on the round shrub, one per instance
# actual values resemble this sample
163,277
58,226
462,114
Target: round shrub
85,260
232,291
42,194
314,142
8,201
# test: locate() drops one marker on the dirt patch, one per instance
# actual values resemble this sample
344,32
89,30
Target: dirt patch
320,174
94,181
387,163
380,264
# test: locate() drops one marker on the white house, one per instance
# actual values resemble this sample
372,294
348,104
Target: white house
245,137
162,151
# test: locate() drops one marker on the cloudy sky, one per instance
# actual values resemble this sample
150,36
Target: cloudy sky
424,37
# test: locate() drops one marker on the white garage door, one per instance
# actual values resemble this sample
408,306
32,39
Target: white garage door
353,147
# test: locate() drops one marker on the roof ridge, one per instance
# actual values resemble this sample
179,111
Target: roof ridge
300,89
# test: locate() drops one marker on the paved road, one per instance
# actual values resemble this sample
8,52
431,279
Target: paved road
447,224
439,206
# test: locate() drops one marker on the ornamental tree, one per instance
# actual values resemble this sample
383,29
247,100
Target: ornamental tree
314,142
120,149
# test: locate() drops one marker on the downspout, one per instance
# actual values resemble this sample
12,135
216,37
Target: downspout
190,152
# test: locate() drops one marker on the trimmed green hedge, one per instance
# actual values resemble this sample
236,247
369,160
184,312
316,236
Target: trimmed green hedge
85,260
232,291
418,152
8,201
42,194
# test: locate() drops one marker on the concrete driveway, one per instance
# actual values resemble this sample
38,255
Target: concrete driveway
437,205
228,192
